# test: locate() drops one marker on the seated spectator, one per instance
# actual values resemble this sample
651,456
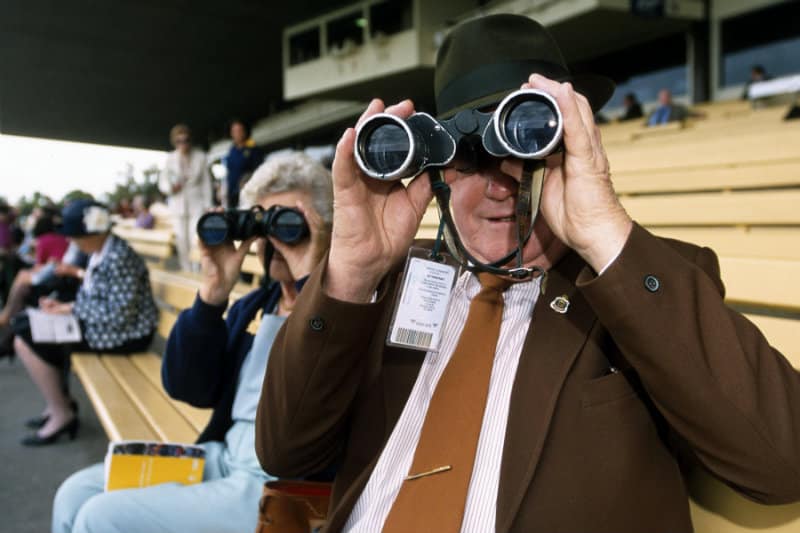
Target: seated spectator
63,278
124,208
115,309
6,227
217,362
668,111
757,74
26,251
50,246
141,209
8,257
633,109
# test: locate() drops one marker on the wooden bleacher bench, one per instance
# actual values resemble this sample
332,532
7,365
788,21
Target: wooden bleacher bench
126,391
156,245
730,181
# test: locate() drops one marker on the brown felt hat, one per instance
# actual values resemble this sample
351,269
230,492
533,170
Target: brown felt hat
484,59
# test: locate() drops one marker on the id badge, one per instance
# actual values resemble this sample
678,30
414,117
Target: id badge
421,308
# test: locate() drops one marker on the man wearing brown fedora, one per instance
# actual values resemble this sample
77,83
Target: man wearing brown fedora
561,403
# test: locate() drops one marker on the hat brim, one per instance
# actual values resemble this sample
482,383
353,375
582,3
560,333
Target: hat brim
597,89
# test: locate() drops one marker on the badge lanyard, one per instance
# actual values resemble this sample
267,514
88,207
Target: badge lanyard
429,276
528,200
422,304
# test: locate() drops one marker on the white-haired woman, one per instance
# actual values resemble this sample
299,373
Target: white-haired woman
217,362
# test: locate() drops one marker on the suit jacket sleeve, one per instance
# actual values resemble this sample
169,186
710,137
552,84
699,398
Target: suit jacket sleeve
195,363
315,367
710,372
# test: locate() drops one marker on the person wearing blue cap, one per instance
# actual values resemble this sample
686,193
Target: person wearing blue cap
114,307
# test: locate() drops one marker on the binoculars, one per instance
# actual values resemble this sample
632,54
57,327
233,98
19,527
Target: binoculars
284,223
526,124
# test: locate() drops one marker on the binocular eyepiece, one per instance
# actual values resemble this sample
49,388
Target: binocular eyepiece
526,124
284,223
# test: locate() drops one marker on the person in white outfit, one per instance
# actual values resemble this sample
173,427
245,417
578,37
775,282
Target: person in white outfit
187,183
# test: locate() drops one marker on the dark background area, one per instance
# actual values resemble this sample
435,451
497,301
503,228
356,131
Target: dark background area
124,72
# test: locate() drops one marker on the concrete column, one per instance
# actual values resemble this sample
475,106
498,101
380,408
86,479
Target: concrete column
698,61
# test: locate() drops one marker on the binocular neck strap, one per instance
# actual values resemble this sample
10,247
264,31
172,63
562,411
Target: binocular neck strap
528,198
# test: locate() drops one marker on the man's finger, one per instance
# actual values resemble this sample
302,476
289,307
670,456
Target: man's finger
420,194
345,171
587,115
577,139
402,109
374,107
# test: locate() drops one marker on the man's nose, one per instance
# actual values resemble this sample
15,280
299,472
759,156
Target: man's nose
499,185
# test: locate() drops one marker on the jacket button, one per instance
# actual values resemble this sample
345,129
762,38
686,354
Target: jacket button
651,283
316,323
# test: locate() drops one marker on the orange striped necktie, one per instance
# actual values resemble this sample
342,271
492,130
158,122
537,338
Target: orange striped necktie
434,494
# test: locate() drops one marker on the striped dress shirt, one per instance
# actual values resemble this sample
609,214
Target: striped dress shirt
375,502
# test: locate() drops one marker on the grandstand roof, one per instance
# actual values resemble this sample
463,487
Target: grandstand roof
124,72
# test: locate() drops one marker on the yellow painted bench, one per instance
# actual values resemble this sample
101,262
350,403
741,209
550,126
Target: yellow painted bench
156,245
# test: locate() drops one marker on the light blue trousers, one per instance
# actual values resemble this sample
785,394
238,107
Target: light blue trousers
226,500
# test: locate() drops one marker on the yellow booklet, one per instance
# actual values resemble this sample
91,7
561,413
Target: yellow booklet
134,464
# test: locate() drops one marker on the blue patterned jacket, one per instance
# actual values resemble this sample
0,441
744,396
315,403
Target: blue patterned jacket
118,306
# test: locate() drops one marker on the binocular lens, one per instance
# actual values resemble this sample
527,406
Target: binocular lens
386,148
289,227
531,126
213,229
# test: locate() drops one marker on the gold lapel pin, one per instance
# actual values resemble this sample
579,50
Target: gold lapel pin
560,304
438,470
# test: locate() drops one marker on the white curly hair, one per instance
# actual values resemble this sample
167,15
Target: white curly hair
291,171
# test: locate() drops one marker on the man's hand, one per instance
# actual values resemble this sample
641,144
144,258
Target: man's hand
221,266
578,200
303,258
374,221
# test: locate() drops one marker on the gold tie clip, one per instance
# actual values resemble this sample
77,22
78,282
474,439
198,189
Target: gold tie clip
437,470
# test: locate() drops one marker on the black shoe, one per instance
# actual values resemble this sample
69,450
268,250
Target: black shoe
70,429
7,343
38,421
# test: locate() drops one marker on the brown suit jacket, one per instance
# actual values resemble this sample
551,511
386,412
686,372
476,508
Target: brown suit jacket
585,451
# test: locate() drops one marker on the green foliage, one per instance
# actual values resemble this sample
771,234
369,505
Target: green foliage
126,187
75,194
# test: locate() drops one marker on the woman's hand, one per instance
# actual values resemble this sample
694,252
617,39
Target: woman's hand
221,266
374,221
54,307
65,269
578,199
302,258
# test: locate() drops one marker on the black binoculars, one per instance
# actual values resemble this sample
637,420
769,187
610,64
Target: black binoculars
284,223
526,124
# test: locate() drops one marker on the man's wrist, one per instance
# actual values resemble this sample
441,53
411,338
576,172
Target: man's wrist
608,245
349,287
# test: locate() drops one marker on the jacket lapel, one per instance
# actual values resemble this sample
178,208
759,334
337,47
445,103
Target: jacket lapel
551,346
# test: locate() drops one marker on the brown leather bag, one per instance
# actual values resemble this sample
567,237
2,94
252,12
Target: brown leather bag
293,506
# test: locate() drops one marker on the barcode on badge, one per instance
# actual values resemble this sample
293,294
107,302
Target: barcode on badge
413,337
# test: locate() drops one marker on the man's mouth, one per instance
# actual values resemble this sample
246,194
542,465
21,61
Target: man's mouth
509,218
